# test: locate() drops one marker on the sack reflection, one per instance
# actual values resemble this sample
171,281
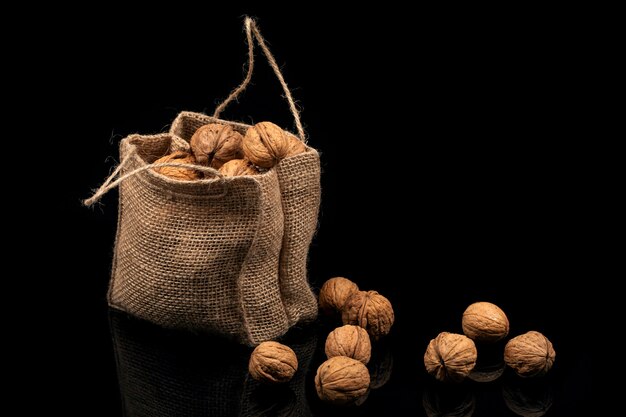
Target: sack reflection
164,372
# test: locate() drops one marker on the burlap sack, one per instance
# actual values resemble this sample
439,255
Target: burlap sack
299,182
299,178
198,254
226,255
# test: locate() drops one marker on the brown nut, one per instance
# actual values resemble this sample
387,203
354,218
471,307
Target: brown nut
529,354
369,310
334,294
237,167
215,144
485,322
179,173
450,357
265,144
296,146
273,362
342,380
351,341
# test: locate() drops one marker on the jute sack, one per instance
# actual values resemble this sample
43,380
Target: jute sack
299,180
200,255
211,254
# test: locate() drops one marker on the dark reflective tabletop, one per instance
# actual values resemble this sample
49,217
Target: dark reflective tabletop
164,372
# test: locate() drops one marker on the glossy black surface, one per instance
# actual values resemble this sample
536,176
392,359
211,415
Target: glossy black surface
476,133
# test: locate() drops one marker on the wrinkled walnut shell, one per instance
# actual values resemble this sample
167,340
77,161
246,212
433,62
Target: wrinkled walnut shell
450,357
485,322
266,144
529,354
351,341
342,380
215,144
334,294
237,167
273,362
369,310
179,173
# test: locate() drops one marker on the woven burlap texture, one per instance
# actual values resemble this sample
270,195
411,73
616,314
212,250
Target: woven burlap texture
198,255
299,182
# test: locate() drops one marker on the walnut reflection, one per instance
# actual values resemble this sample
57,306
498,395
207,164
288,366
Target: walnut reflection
380,365
448,401
527,398
168,373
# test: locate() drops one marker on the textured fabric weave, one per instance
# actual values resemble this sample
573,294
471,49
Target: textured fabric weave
299,181
198,255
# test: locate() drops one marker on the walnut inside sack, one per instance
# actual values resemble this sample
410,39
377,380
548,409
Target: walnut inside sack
179,173
215,144
273,362
266,144
238,167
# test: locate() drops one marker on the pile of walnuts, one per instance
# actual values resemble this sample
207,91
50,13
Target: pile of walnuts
221,147
452,357
344,378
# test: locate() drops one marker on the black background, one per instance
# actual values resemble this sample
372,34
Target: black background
447,178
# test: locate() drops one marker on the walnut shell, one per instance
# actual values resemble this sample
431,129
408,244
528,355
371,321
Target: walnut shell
485,322
238,167
296,146
369,310
215,144
450,357
273,362
529,354
351,341
265,144
334,294
184,174
342,380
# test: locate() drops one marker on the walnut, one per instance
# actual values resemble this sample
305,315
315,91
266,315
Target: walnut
527,400
485,322
265,144
237,167
529,354
273,362
334,294
351,341
296,146
215,144
342,380
369,310
184,174
450,357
